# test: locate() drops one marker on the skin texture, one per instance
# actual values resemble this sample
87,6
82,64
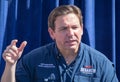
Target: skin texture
11,55
67,34
66,29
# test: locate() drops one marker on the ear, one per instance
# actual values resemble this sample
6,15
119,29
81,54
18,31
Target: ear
51,33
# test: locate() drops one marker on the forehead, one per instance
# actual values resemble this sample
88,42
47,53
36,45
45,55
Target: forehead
67,19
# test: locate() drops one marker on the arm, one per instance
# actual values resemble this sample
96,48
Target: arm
11,56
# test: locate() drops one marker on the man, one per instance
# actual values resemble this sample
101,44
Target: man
65,60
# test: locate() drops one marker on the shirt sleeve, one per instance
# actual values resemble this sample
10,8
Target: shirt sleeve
109,73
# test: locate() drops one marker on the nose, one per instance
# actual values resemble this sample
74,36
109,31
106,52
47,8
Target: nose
70,32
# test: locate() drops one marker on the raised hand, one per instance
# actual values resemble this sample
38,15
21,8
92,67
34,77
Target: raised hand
12,53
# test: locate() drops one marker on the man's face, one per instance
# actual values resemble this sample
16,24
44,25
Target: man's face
68,32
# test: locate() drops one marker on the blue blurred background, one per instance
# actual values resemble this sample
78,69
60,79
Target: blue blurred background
27,20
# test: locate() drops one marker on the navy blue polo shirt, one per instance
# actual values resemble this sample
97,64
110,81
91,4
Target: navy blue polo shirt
45,64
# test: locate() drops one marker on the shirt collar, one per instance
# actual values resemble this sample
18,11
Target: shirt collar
58,54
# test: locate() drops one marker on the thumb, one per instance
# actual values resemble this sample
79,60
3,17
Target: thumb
22,46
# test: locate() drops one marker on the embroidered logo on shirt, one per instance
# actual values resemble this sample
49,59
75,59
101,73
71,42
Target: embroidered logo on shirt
46,65
88,70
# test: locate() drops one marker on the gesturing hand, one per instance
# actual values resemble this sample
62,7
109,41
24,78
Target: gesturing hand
12,53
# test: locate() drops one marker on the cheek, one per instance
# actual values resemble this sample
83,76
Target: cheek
59,37
79,34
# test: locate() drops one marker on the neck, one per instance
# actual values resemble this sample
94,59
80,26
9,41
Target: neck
69,59
69,56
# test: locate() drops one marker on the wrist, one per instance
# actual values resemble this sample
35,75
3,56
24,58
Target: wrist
10,66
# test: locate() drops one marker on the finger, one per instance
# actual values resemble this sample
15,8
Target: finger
6,55
10,51
14,48
8,47
22,46
10,60
11,56
13,43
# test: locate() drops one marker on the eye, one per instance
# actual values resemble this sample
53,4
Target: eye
63,28
75,27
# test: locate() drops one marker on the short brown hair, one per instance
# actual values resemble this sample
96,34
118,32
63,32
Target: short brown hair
63,10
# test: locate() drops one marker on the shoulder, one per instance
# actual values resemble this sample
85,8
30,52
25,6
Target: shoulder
43,49
93,54
40,52
96,58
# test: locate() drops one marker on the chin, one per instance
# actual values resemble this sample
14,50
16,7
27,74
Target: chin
72,47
